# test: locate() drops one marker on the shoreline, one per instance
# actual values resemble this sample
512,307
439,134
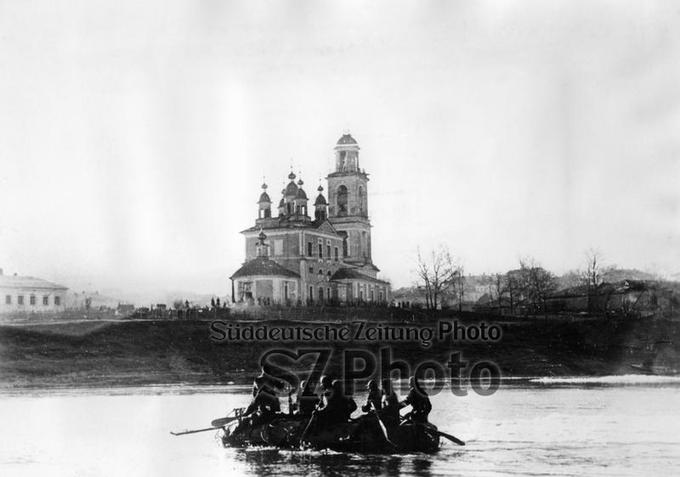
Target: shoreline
112,354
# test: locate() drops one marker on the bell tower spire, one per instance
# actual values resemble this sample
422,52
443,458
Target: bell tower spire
348,203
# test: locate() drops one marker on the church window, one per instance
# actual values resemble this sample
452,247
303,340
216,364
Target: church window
336,254
46,300
8,299
320,250
57,300
311,269
361,200
342,200
309,249
20,300
328,251
31,300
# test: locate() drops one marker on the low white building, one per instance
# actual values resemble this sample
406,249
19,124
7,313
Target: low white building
30,295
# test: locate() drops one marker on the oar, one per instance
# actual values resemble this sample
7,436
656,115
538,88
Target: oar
444,434
453,439
383,428
194,431
308,426
222,421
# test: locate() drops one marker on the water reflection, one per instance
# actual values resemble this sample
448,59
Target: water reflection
267,461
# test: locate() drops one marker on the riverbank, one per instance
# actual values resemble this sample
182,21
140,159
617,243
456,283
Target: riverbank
135,353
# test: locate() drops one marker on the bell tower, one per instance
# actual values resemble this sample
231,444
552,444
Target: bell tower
348,203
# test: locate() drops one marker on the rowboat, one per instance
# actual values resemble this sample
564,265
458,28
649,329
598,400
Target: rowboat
362,435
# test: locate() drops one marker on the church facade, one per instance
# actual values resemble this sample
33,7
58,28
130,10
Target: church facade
302,254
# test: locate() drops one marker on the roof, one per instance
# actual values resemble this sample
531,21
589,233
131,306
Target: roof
320,200
264,197
263,266
352,274
291,188
288,222
301,194
14,281
346,139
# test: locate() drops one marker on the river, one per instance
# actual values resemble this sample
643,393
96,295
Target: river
608,426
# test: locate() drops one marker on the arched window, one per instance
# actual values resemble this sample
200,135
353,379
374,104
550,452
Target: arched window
361,200
342,200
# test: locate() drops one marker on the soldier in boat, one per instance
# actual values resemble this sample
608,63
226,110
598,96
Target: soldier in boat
325,390
390,404
337,408
306,401
419,401
265,404
373,400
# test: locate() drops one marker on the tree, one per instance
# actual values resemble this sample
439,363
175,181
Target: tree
536,282
591,276
499,287
436,274
458,285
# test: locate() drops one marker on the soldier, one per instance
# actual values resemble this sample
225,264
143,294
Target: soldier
418,400
390,404
305,401
373,399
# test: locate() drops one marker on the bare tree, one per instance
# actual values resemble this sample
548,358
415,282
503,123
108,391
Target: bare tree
458,285
499,286
537,282
591,276
436,273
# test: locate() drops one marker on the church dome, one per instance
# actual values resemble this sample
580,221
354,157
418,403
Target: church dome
264,197
320,200
291,189
301,194
346,139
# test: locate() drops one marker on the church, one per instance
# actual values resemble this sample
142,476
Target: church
313,255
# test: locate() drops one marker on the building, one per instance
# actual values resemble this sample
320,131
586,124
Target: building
313,255
30,295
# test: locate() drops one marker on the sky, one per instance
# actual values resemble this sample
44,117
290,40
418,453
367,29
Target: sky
134,136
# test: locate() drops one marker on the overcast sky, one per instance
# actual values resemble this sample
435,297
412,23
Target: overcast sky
134,135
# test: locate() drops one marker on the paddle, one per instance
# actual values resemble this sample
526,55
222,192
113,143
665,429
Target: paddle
194,431
221,422
453,439
308,426
383,428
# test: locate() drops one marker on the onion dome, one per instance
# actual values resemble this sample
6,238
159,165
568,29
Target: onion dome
282,203
320,199
346,139
291,189
301,194
264,197
291,176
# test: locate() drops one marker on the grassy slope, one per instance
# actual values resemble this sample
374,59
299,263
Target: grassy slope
153,352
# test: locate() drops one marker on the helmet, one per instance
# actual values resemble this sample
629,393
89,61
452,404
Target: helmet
372,385
326,382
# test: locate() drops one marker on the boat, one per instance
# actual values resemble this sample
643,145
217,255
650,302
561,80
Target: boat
365,435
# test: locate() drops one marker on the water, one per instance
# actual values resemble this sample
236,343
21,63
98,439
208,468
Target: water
611,427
